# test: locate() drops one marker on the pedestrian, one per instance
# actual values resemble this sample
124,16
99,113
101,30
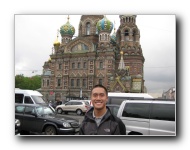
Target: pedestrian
98,119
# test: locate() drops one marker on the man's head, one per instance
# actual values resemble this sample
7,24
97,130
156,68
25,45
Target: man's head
99,97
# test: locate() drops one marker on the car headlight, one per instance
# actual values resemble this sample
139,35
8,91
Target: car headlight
17,122
66,125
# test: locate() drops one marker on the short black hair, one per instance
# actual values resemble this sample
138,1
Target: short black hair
101,86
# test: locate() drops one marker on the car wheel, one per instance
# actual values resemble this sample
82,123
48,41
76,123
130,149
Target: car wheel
59,111
50,130
79,112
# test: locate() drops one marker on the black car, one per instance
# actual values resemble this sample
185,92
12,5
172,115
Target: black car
42,119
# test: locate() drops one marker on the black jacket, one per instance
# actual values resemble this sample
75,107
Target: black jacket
110,125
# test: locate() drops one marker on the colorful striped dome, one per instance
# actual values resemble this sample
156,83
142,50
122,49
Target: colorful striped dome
67,29
104,25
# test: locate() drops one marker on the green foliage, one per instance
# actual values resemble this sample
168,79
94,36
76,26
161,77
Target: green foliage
31,83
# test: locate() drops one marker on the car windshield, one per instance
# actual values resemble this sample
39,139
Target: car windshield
41,111
38,99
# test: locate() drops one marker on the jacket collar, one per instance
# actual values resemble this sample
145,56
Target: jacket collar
89,114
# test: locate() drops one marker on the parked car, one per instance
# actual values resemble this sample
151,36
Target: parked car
148,117
28,97
43,120
55,104
113,108
78,106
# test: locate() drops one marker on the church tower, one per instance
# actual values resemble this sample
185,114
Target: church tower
128,41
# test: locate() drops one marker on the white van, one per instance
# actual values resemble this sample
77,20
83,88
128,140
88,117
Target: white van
148,117
118,98
28,97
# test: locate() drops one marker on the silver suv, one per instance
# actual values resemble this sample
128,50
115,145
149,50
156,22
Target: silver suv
148,117
78,106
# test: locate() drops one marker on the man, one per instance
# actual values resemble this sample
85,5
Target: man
99,120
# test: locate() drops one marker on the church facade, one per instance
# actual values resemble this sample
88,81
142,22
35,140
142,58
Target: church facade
95,56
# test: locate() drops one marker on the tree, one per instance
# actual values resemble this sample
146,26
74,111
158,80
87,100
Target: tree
31,83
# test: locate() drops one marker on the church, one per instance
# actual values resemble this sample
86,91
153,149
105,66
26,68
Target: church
95,56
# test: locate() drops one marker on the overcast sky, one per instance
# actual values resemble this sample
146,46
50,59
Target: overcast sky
35,35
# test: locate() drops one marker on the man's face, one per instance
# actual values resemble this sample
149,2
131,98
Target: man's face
99,98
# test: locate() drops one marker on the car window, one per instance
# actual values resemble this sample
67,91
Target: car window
77,103
19,98
39,111
29,110
163,112
38,99
68,103
48,111
19,109
136,110
28,100
44,111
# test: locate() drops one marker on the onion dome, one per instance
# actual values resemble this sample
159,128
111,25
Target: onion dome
67,29
104,25
56,43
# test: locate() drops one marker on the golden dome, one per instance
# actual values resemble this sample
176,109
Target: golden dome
56,43
121,52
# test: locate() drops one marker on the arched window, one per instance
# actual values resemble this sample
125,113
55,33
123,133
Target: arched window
88,28
106,37
58,82
103,37
72,82
78,82
100,65
126,32
126,35
47,82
